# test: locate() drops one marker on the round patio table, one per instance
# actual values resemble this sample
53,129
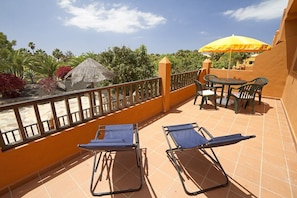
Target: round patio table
225,82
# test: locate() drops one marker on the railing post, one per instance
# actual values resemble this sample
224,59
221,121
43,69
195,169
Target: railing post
165,75
206,65
20,123
2,143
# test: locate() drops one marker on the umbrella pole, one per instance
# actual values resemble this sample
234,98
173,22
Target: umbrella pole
228,72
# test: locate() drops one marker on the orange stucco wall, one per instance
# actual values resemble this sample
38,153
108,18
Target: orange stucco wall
288,36
290,102
181,95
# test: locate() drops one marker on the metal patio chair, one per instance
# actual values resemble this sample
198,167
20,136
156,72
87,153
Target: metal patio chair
205,92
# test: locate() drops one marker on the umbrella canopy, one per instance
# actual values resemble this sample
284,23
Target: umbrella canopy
89,71
235,44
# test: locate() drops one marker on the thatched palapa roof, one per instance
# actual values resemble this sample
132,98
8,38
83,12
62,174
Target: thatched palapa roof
89,71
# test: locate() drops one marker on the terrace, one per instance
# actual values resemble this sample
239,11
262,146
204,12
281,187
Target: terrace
261,167
49,164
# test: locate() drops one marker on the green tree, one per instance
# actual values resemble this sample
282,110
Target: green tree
182,60
6,48
222,60
128,65
216,56
122,62
144,67
239,57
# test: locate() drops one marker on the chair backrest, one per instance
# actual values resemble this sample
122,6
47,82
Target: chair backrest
260,81
248,91
199,85
200,74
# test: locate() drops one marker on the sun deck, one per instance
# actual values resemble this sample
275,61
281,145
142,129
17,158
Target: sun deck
264,166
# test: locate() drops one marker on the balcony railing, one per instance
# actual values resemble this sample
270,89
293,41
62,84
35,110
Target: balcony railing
35,119
181,80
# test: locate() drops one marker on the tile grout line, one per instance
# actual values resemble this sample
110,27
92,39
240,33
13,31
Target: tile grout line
10,192
236,163
43,185
262,152
70,175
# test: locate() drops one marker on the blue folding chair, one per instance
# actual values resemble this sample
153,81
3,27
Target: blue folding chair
121,137
191,136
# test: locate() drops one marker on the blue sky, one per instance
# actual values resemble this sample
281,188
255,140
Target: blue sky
163,26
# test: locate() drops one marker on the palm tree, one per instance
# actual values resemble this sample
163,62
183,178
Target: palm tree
18,61
41,52
91,55
68,55
45,65
74,61
30,74
58,54
31,45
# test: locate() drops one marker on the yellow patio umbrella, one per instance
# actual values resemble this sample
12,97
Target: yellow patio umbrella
235,44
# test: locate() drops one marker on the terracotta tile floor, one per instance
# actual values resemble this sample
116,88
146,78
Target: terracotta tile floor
264,166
